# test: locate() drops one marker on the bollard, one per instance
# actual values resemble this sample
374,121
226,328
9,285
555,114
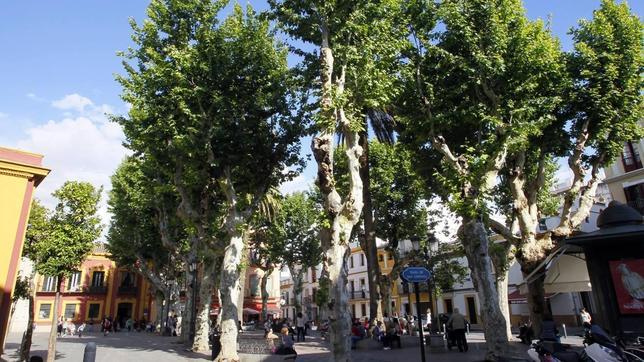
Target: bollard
90,352
467,325
444,331
565,332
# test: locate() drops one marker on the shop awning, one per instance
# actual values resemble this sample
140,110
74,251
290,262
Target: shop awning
517,298
565,271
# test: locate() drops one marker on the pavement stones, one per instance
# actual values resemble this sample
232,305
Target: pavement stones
146,347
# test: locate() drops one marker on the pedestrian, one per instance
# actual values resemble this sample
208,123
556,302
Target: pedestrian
299,324
286,343
129,323
585,318
107,325
429,320
59,327
268,326
457,323
81,329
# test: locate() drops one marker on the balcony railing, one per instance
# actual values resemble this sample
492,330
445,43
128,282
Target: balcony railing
359,294
631,163
96,289
127,289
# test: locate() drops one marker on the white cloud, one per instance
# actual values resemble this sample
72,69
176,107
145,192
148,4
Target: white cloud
82,148
3,115
299,183
35,97
72,101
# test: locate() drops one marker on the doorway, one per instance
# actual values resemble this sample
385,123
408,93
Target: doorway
471,310
123,312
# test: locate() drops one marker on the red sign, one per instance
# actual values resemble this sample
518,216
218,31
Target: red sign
628,279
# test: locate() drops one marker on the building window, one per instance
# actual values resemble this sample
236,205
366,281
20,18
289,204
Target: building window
363,309
353,310
93,310
313,276
449,308
350,261
635,197
361,259
391,256
352,286
70,311
49,284
128,279
45,311
315,293
98,278
631,157
73,282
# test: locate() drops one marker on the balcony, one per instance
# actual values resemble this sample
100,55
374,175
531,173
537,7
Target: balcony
361,294
127,289
96,289
631,163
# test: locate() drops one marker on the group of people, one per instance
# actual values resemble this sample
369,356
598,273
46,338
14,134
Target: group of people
68,328
287,334
108,324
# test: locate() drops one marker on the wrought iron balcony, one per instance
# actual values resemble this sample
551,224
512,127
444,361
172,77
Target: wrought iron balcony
127,289
96,289
360,294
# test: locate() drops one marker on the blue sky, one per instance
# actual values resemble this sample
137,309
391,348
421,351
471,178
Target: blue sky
57,79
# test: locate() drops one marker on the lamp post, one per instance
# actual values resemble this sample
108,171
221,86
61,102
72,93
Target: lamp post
415,243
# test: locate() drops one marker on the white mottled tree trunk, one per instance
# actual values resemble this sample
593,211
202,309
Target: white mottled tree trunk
502,291
230,292
202,324
475,241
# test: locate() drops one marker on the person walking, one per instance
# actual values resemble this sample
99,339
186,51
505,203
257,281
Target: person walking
300,324
457,323
585,318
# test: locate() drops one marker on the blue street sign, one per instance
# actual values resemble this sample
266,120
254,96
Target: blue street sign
416,274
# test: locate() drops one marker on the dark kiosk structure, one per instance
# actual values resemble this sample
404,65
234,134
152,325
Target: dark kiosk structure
615,261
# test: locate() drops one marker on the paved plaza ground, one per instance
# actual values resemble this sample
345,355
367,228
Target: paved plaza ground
146,347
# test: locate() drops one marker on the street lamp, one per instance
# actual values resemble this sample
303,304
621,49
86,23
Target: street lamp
415,244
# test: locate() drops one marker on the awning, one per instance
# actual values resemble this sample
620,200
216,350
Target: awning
251,311
565,271
517,298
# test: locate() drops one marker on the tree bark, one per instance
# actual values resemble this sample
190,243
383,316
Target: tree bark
502,291
51,349
202,324
186,316
340,319
385,290
368,243
159,303
298,286
230,292
475,241
536,296
265,295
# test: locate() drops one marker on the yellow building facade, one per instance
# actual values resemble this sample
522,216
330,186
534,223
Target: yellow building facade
20,173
